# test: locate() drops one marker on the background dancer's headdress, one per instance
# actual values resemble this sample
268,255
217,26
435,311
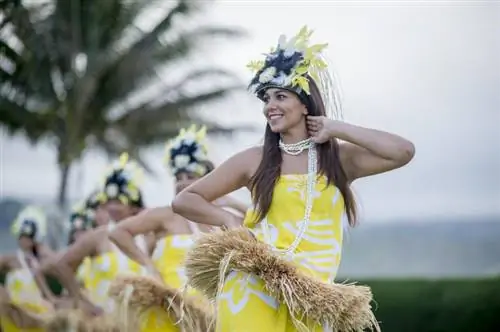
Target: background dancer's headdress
30,222
91,204
121,182
188,152
290,65
80,219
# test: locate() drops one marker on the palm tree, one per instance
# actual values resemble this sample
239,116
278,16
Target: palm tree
83,74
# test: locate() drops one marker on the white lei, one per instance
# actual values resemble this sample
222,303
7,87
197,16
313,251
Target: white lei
312,165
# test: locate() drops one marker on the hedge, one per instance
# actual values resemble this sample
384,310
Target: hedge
471,305
465,305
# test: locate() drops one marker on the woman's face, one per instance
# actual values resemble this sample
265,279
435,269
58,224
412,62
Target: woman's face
26,243
117,210
183,180
283,110
102,216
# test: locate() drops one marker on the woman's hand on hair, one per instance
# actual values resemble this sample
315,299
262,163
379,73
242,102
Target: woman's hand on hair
320,128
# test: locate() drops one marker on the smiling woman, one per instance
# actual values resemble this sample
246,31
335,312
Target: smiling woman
300,183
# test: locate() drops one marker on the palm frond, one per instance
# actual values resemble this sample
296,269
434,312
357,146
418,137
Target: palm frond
16,117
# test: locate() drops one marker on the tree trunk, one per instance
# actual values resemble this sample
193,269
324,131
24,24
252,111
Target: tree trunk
63,185
56,229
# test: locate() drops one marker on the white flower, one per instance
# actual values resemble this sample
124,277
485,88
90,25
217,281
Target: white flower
267,75
78,223
176,145
90,214
279,80
254,87
26,229
181,161
289,51
112,190
192,167
199,154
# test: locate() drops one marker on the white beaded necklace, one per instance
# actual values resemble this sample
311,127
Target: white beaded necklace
312,165
295,149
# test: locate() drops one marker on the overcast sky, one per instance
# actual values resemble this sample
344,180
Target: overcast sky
429,71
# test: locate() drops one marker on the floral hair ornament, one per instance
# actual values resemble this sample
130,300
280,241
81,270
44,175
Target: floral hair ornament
290,65
79,218
121,182
188,151
91,205
32,222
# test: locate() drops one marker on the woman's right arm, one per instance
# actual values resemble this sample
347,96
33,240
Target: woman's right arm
64,268
5,263
149,221
193,203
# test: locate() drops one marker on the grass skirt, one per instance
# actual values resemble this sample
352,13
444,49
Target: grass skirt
139,295
342,307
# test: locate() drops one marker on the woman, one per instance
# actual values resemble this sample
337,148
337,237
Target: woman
300,183
83,219
121,198
186,157
26,299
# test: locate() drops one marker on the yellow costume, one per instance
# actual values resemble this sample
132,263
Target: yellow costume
243,297
184,154
84,272
169,256
103,271
24,293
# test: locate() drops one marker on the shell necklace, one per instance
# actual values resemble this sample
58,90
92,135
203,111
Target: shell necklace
312,165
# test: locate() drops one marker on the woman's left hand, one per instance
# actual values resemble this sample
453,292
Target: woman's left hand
319,128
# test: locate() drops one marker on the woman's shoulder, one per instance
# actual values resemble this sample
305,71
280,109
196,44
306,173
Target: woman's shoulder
252,151
248,160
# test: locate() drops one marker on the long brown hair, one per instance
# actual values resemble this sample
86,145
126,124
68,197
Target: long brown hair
264,180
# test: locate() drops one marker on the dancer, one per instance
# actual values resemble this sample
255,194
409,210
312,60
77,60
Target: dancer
26,299
186,159
83,219
121,198
300,183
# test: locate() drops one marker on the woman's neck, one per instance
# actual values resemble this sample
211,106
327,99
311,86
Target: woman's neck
294,136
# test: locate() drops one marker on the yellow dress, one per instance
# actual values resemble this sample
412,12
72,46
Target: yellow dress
243,297
169,256
84,272
24,292
103,270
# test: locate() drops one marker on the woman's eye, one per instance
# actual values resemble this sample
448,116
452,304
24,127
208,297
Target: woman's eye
280,97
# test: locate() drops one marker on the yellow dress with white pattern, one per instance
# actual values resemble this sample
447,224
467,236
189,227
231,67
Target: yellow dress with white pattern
84,272
103,271
24,292
168,257
244,305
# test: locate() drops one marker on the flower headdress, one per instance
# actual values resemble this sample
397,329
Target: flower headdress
91,204
188,151
31,222
121,182
290,65
80,219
